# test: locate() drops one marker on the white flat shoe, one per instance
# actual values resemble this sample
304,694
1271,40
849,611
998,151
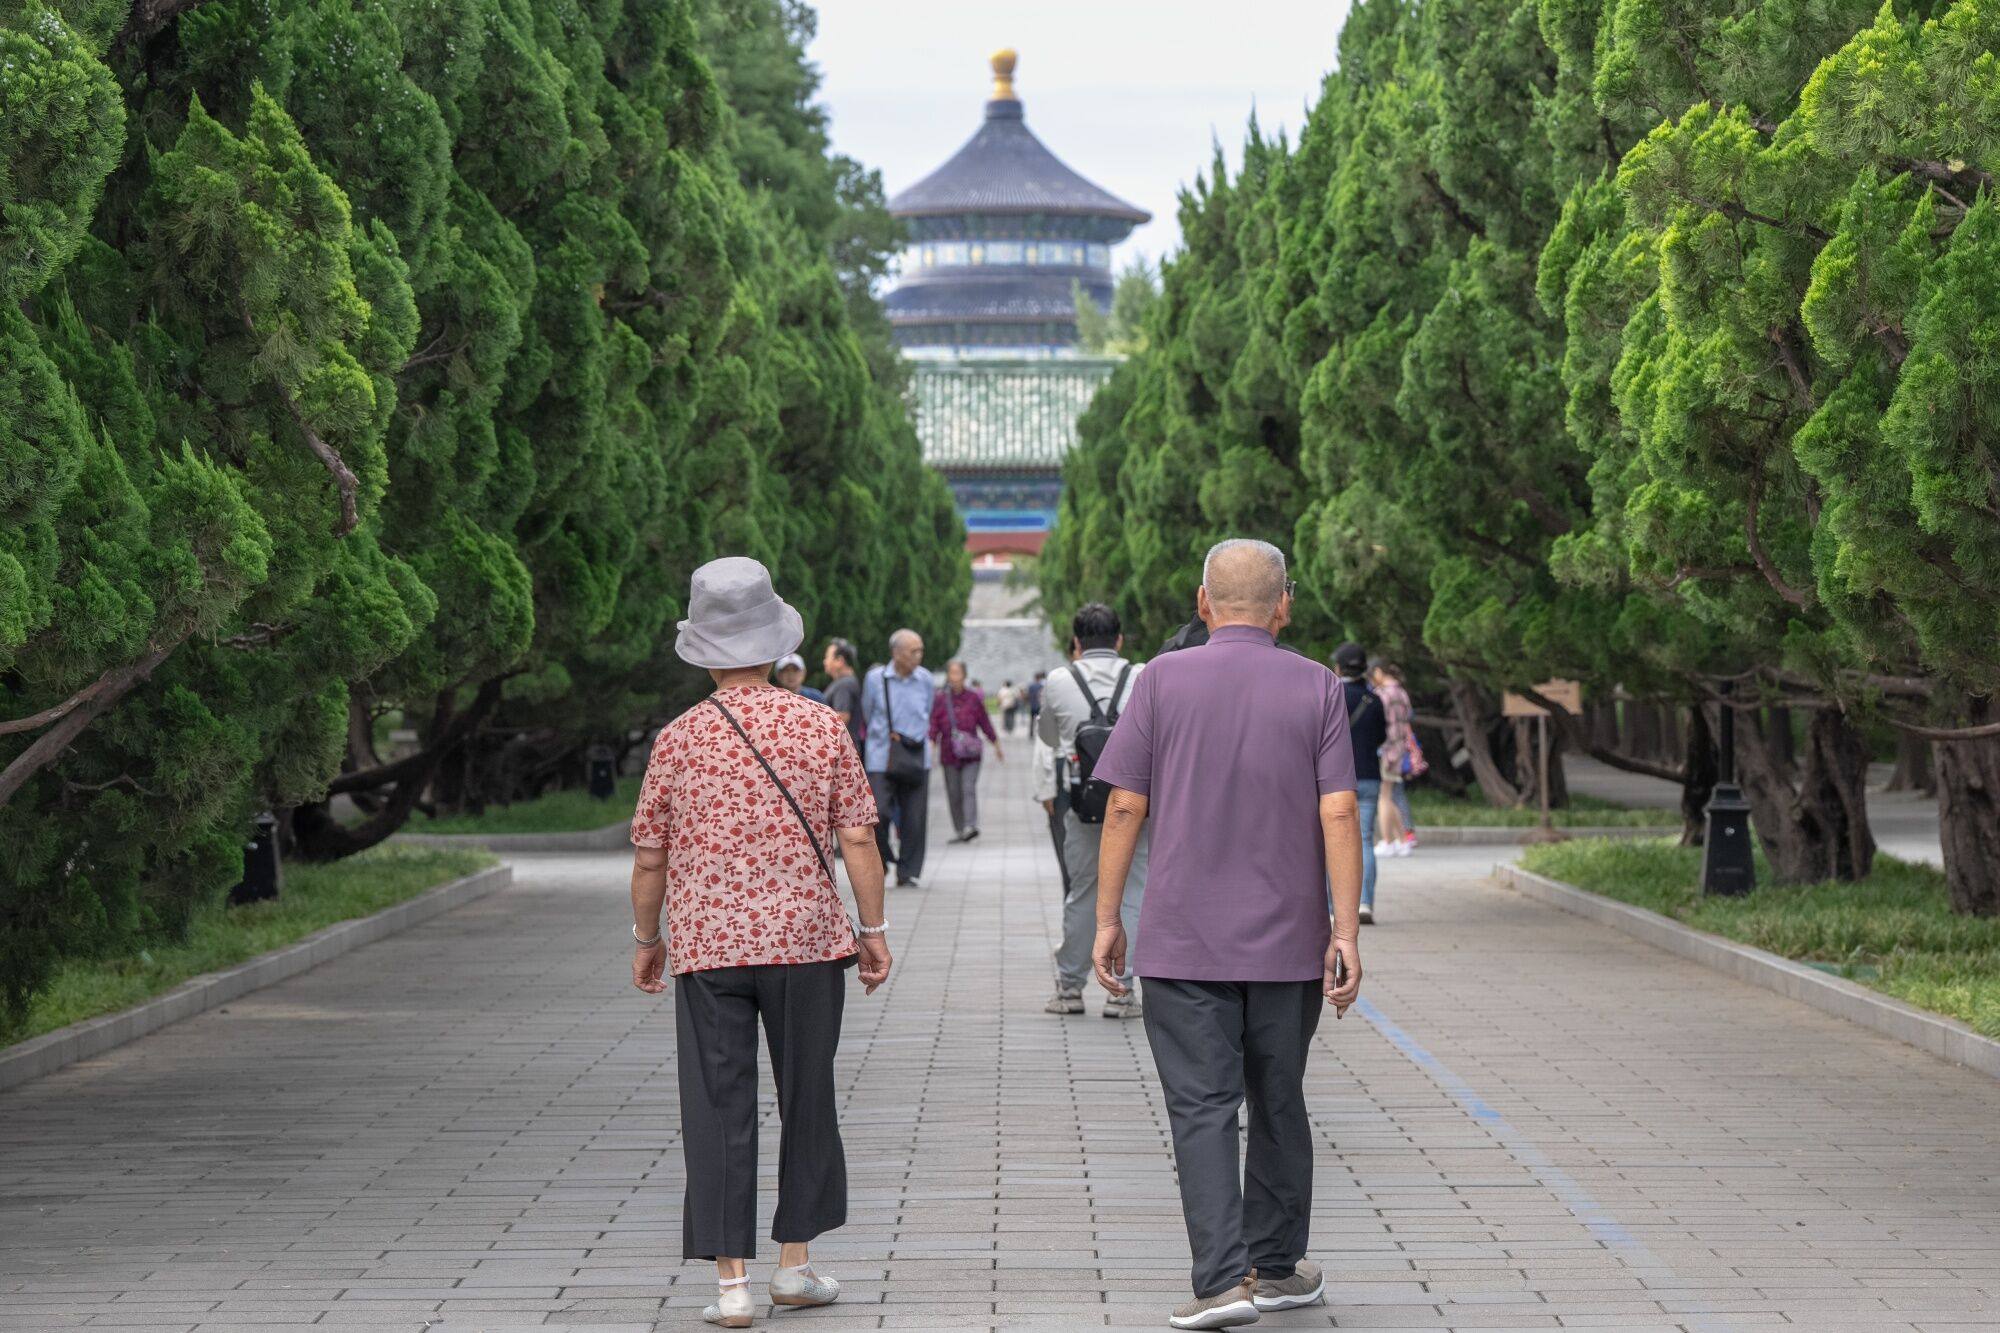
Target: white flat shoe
802,1286
733,1308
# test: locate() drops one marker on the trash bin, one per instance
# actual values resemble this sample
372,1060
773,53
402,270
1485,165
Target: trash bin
261,867
603,764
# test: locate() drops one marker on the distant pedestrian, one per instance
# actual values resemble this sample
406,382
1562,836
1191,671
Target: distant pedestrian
958,717
1369,723
1080,706
743,799
843,691
1010,705
1034,693
1239,753
1402,760
896,698
790,673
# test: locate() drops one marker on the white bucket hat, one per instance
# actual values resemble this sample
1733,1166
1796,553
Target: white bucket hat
735,618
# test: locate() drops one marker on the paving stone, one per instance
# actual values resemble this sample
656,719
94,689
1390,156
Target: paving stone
1535,1123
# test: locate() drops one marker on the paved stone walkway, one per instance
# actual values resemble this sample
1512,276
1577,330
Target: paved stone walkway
1533,1122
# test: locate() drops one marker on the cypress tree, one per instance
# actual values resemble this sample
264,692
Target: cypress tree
396,362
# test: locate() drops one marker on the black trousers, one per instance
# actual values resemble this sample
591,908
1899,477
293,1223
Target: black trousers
908,801
1214,1042
715,1018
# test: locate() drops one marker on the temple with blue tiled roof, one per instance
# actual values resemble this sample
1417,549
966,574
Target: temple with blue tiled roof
1001,238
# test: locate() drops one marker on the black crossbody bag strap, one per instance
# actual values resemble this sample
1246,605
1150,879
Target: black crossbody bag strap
783,791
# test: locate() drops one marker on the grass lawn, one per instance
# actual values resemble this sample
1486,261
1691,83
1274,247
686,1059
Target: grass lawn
314,896
568,811
1894,931
1434,807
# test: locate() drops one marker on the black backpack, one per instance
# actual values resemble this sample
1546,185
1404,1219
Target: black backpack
1087,796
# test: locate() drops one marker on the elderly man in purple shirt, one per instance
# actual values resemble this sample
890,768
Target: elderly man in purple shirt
1239,754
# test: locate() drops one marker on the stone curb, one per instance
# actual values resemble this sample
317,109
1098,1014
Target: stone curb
1516,835
94,1036
612,837
1838,996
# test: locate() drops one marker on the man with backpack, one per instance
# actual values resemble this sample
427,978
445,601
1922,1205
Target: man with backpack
1080,706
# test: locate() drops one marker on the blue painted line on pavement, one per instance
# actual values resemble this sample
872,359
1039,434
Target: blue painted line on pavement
1573,1196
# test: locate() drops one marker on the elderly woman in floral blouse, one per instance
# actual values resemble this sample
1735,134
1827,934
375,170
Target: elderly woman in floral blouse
734,835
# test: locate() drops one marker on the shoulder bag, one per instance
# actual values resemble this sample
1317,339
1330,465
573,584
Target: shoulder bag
965,745
906,756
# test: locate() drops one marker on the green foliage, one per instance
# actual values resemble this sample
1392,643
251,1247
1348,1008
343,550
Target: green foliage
220,936
1631,340
404,359
1121,330
1433,808
1894,930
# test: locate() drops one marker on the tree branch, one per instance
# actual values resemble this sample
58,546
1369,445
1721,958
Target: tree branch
78,712
1452,206
1732,209
1788,356
344,479
1979,732
1942,173
1576,737
1770,570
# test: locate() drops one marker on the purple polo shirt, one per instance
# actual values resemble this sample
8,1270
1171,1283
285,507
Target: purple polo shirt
1233,743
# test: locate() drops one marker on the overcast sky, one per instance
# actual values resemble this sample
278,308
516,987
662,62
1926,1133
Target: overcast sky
1130,93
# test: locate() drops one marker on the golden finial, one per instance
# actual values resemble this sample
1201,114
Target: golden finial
1003,74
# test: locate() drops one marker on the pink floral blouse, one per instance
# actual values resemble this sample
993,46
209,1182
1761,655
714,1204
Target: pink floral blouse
743,885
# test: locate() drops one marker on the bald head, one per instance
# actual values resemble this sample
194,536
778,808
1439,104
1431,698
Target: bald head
1243,581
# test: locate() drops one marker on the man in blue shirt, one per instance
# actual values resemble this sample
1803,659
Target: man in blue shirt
897,702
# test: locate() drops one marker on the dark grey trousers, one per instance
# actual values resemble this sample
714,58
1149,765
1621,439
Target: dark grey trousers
715,1018
908,800
1214,1042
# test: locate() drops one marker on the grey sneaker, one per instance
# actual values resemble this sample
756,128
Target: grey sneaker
1231,1308
1123,1006
1065,1001
802,1286
1307,1286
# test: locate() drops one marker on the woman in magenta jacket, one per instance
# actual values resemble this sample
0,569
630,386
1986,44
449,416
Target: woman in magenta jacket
958,718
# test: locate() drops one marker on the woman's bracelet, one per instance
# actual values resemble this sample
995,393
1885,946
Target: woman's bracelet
871,930
642,943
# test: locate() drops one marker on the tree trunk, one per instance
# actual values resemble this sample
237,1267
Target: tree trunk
1811,817
1525,756
1672,743
1443,774
1782,742
1468,704
1699,771
1642,730
1600,716
1914,770
1968,796
318,836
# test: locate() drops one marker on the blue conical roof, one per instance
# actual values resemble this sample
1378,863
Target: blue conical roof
1005,169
